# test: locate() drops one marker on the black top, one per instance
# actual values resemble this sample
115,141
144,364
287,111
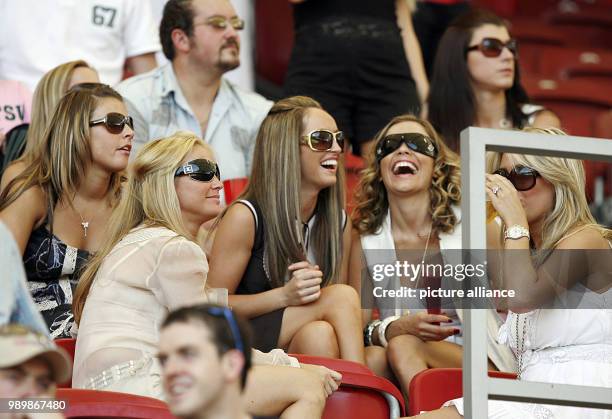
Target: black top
313,11
52,269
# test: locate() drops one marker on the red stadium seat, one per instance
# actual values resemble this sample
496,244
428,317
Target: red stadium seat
577,102
68,345
584,26
431,388
108,404
564,63
361,394
232,188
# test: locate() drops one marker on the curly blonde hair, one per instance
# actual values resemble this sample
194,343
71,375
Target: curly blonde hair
445,190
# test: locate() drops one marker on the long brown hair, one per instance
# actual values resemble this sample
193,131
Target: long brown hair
275,186
58,170
445,190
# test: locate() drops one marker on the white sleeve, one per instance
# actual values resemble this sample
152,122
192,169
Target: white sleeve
140,31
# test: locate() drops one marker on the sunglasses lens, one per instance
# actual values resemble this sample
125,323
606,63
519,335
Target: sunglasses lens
202,176
115,123
207,170
322,140
340,139
523,178
492,47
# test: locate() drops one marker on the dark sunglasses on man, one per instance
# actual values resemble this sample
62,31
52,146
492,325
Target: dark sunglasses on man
114,122
415,141
493,47
323,140
202,170
522,177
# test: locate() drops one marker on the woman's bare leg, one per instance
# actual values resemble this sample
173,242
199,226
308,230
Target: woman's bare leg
408,355
316,338
339,306
376,360
285,391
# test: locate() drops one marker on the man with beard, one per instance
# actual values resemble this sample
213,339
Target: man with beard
200,39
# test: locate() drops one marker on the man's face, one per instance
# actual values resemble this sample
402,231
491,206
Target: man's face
193,372
30,379
212,46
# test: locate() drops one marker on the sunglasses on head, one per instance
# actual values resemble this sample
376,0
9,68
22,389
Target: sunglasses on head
523,178
416,142
114,122
493,47
323,140
201,170
227,314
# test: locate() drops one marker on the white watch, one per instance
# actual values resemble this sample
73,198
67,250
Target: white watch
516,232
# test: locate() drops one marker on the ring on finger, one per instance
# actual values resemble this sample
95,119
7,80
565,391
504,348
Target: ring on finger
495,189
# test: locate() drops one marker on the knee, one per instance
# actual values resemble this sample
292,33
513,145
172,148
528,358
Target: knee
341,295
402,347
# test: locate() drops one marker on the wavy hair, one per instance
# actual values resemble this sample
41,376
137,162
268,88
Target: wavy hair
275,186
571,210
372,202
149,198
451,103
66,152
49,90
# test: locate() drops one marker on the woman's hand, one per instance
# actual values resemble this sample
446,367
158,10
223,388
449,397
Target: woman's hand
506,201
305,284
330,379
426,326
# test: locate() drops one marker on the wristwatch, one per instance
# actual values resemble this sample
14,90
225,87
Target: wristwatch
516,232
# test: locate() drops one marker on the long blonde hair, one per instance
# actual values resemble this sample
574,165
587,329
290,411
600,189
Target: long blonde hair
49,90
275,186
445,190
66,152
149,198
571,210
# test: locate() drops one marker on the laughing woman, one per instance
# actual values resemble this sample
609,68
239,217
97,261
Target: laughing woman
58,205
279,247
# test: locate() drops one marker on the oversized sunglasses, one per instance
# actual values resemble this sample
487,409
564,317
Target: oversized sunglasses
227,314
522,177
201,170
221,22
493,47
414,141
114,122
323,140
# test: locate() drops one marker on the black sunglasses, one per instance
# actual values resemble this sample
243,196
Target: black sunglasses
114,122
522,177
323,140
413,140
493,47
201,170
227,314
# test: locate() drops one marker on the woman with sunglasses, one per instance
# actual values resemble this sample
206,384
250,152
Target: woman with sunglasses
408,209
278,246
476,80
149,264
558,261
58,206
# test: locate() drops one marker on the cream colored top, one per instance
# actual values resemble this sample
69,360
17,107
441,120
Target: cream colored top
150,272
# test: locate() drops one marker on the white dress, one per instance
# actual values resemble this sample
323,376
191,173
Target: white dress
563,346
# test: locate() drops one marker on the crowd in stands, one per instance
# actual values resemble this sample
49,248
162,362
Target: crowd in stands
116,232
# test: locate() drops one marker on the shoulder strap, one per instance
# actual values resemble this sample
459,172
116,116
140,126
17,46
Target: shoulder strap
259,231
253,210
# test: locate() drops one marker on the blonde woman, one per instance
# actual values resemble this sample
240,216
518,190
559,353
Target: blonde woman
545,217
288,237
150,264
49,90
58,206
408,206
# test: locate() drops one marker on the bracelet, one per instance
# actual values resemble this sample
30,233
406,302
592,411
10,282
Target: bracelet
367,332
382,329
